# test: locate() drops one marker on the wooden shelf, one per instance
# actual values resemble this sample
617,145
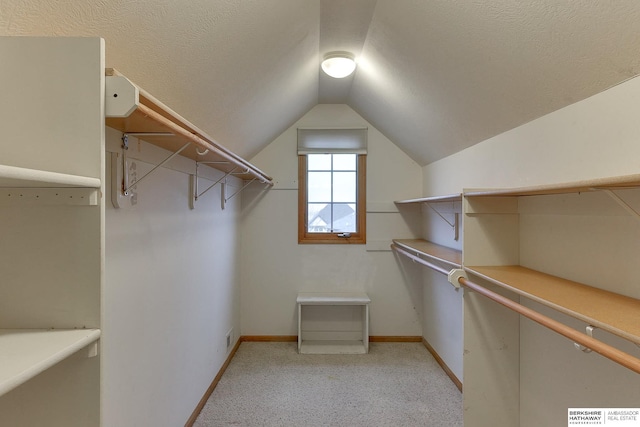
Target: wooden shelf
612,183
606,310
435,199
26,353
16,177
449,256
152,116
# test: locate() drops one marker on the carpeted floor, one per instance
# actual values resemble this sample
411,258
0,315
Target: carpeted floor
270,384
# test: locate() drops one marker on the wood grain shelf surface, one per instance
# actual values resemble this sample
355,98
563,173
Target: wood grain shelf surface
617,314
142,120
452,257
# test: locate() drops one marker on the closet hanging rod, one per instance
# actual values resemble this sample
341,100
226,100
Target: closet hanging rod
199,141
597,346
419,260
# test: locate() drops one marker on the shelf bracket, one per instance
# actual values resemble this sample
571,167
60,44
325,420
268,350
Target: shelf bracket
194,183
455,224
92,349
589,332
622,203
125,146
454,276
225,199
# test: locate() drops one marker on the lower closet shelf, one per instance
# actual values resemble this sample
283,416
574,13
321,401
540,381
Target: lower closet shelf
333,347
25,353
617,314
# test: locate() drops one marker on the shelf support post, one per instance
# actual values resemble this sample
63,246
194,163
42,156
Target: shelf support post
194,182
226,199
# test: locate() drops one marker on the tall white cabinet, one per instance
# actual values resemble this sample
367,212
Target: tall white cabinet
52,228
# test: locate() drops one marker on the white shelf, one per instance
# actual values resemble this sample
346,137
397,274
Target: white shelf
433,199
333,347
25,353
333,298
16,177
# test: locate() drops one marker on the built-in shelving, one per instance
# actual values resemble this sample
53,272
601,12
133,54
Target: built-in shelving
606,310
28,352
450,257
163,127
611,183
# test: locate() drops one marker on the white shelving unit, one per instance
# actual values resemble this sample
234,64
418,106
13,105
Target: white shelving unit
52,223
54,110
327,338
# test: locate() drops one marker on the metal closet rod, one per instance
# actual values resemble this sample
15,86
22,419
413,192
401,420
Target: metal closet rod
179,130
599,347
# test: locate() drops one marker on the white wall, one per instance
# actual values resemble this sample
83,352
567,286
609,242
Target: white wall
275,267
171,294
595,138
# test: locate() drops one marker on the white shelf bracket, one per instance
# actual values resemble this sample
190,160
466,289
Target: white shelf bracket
589,332
125,147
455,224
194,195
92,349
456,274
622,203
226,199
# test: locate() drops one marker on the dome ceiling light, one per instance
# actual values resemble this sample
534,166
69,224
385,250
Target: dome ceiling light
338,64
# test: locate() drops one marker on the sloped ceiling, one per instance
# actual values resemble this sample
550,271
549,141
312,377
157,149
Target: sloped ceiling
435,76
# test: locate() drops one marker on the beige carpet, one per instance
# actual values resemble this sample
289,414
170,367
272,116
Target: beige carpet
396,384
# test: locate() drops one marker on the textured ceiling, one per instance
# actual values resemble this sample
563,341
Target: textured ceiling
434,76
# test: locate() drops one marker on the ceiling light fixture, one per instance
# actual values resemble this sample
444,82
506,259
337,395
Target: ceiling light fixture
338,64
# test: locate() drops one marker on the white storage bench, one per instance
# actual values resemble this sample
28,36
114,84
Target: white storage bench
333,322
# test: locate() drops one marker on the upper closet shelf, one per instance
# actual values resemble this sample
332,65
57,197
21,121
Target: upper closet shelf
613,183
617,314
434,199
28,352
16,177
131,110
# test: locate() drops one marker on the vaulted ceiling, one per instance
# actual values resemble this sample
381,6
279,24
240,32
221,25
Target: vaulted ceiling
435,76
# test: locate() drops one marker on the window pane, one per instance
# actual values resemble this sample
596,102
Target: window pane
319,162
344,187
344,218
344,162
318,218
319,189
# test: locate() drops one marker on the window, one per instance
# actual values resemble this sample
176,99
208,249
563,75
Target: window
332,177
